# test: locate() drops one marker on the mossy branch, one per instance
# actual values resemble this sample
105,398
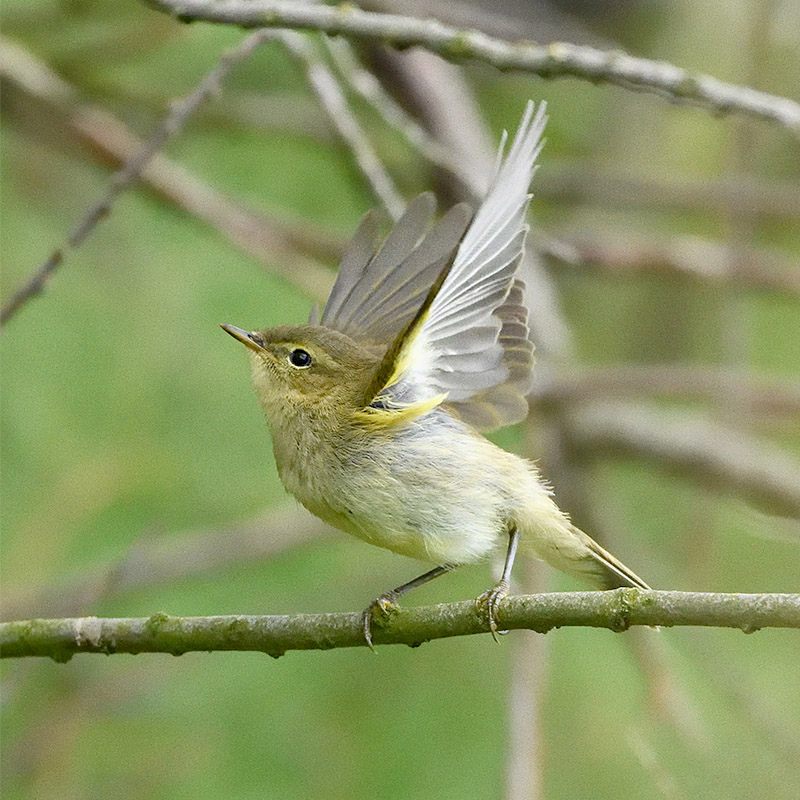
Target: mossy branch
547,61
616,610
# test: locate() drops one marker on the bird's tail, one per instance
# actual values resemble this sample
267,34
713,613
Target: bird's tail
608,571
547,533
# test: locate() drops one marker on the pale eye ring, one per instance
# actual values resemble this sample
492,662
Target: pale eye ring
300,359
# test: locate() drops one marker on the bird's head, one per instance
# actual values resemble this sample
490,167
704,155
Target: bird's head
306,369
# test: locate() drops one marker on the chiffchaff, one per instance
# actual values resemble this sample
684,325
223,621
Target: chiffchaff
375,411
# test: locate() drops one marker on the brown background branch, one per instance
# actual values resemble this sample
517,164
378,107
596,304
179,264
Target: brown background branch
556,60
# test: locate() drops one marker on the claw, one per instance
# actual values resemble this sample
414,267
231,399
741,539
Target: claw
492,599
382,606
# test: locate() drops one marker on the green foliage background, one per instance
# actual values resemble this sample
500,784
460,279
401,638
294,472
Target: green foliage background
127,413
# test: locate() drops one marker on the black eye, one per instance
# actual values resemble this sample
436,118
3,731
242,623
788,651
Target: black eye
300,359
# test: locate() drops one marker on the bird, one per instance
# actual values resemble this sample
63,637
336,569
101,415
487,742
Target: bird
377,408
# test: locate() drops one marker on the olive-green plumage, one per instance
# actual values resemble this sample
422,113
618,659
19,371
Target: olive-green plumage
375,411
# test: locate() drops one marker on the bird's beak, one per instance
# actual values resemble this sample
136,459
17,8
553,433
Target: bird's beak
250,339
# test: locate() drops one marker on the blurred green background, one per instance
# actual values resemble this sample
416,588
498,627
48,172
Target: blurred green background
128,417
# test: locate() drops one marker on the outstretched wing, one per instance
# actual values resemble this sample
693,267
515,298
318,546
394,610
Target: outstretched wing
505,402
377,293
453,311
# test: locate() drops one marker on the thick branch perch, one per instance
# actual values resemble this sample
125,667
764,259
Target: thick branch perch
548,61
616,610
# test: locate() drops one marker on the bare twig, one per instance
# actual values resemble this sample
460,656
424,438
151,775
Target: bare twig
439,96
287,248
648,757
764,715
526,693
670,700
179,113
668,697
582,183
550,61
154,561
370,88
720,385
330,94
615,610
700,258
707,451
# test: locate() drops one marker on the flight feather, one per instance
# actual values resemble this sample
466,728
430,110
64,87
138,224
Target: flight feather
471,347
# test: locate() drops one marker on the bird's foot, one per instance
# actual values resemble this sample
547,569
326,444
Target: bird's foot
379,609
490,601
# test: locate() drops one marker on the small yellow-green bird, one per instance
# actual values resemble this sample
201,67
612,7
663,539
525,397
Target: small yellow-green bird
375,410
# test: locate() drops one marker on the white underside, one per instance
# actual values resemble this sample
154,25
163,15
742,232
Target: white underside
437,492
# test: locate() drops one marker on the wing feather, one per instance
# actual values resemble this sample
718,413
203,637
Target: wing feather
382,269
505,403
421,267
375,295
354,261
449,301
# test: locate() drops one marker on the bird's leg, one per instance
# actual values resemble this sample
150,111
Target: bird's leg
383,603
493,597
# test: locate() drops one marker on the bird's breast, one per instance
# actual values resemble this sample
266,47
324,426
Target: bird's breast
433,490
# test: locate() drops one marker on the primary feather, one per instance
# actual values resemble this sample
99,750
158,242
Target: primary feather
473,346
377,293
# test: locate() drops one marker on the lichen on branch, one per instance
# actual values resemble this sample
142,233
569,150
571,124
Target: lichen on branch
615,610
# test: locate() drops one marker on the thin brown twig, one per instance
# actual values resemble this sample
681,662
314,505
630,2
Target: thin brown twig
670,700
706,451
693,256
325,85
578,182
648,757
524,779
668,696
179,113
751,394
366,84
154,561
764,715
289,249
